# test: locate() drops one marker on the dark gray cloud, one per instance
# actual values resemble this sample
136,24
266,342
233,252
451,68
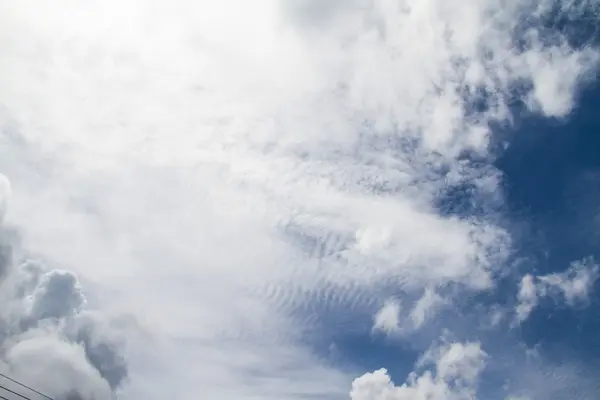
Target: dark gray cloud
73,396
102,349
57,295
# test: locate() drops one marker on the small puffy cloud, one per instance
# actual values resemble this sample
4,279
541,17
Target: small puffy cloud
426,307
453,375
555,76
574,285
390,318
460,361
387,319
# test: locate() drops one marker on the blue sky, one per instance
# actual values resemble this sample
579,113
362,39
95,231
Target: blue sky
284,199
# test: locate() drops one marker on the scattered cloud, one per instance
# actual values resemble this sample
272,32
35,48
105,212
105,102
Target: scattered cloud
390,319
573,285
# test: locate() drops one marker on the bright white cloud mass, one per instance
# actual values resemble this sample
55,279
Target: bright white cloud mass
191,182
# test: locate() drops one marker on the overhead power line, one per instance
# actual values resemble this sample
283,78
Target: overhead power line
15,393
22,385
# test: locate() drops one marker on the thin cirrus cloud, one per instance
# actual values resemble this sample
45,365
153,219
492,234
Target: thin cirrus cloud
220,172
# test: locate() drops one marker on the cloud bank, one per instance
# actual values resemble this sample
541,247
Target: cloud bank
238,176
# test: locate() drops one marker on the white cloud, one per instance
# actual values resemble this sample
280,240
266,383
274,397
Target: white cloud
387,318
213,167
573,285
390,320
527,298
426,307
457,369
556,77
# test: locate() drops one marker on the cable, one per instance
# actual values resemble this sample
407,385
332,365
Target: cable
15,393
26,387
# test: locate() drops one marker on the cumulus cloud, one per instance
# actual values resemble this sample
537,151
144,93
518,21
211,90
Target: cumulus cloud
573,285
49,339
225,170
453,375
62,352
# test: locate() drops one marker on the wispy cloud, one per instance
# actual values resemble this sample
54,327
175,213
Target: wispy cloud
391,320
573,285
387,318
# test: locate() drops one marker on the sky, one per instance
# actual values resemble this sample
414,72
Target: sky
300,199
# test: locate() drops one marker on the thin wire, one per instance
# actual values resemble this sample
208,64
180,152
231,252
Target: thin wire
25,386
15,393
